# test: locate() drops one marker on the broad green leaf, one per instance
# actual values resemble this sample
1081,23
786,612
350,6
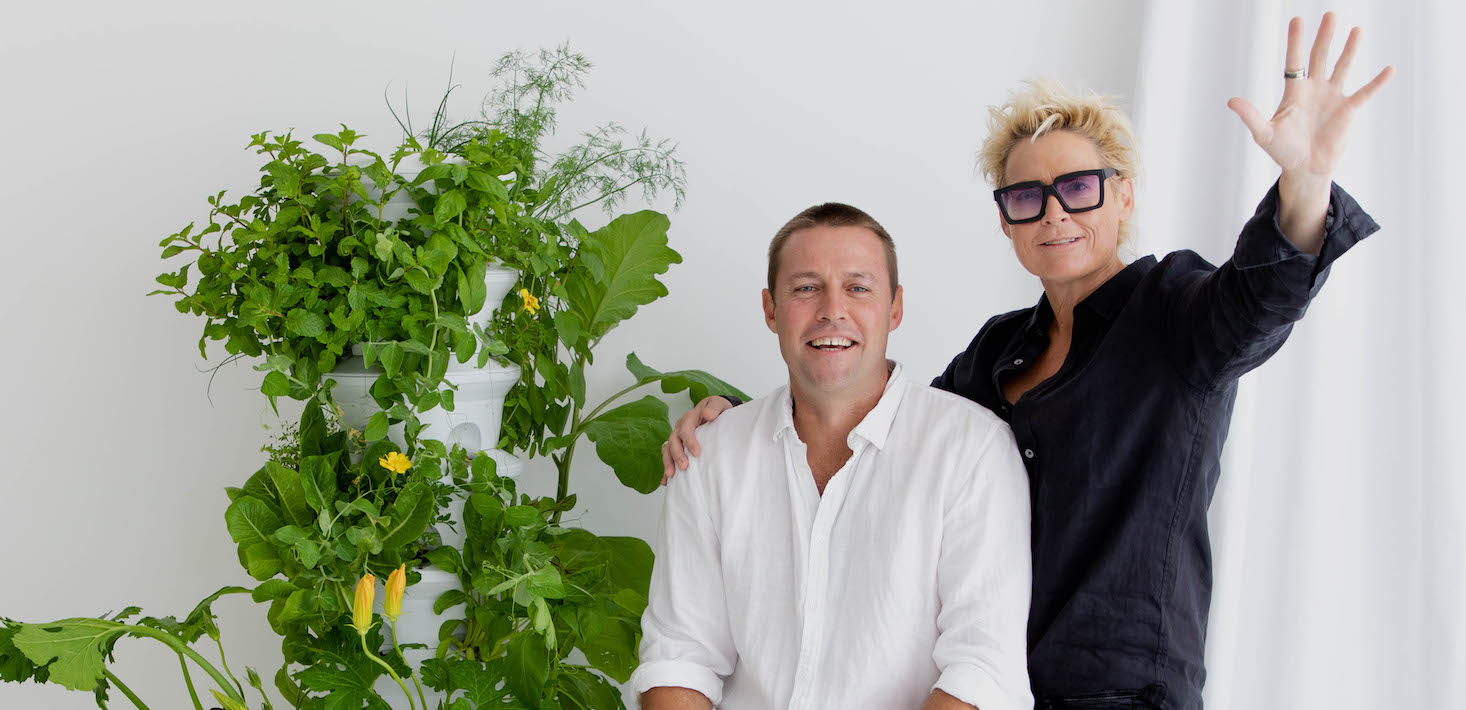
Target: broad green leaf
276,384
290,534
446,559
588,689
609,644
410,514
288,689
520,516
262,561
329,140
273,589
626,256
484,182
318,478
304,323
74,648
421,281
450,205
250,521
376,427
568,327
631,563
449,599
309,552
391,355
629,439
345,674
545,582
528,666
312,428
291,494
696,383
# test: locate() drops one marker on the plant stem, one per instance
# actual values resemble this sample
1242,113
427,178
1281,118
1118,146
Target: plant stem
188,681
125,690
389,670
415,684
225,662
182,648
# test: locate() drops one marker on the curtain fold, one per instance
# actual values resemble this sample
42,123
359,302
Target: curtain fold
1339,525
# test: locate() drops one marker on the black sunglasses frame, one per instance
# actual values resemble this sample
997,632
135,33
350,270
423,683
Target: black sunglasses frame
1048,189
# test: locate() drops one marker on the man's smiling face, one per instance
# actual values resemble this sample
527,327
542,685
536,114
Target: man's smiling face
833,307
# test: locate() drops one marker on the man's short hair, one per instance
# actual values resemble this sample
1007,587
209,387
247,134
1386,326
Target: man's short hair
832,214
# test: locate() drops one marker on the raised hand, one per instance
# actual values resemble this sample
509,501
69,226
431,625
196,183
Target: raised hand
1306,134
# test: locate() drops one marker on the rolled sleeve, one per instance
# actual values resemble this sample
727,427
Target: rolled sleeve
686,637
984,581
678,674
974,686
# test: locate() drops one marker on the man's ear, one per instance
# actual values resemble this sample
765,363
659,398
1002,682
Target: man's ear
896,309
769,311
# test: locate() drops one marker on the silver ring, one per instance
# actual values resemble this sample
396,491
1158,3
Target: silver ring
1295,74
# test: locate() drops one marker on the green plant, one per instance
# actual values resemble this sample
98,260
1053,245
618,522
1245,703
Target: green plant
312,263
73,653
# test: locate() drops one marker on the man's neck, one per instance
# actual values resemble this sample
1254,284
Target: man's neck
824,420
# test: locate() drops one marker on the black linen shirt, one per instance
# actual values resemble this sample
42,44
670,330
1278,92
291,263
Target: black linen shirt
1123,447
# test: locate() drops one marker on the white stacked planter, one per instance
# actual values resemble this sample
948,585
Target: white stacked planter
474,424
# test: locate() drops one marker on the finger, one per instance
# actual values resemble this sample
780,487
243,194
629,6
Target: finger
1346,57
674,448
1252,118
1319,57
1368,90
1293,61
693,447
666,465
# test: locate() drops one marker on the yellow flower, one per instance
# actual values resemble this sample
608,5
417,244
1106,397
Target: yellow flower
396,585
395,462
361,607
531,303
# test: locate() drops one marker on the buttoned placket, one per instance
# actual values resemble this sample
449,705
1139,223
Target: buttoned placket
816,558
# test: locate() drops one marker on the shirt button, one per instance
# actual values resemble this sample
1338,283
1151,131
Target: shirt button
1018,361
1028,453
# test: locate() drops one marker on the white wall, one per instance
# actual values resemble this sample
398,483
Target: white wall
122,117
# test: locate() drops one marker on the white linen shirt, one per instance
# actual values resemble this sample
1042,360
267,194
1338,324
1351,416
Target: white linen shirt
911,572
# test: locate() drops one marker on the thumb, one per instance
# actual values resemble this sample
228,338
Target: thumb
1252,118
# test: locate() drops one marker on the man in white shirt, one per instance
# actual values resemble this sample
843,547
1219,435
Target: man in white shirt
854,540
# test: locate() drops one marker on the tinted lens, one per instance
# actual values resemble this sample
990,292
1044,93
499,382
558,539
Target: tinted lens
1023,203
1079,191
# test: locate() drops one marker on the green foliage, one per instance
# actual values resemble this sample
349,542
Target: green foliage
535,592
313,262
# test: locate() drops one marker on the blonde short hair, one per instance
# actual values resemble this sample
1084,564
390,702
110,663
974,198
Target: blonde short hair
1042,105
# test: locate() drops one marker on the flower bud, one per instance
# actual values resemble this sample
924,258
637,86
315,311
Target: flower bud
361,608
396,585
227,702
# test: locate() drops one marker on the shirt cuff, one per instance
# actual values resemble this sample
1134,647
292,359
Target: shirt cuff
975,687
678,674
1262,242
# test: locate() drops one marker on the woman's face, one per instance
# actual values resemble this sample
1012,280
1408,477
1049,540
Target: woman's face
1062,248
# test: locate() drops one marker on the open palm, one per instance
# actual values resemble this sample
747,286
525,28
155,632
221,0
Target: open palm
1307,133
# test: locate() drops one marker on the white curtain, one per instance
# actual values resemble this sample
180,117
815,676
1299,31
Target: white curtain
1339,527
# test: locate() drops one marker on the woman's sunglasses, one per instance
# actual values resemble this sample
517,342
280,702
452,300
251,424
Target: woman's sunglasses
1077,192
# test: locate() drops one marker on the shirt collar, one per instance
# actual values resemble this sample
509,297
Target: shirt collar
1106,301
876,425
